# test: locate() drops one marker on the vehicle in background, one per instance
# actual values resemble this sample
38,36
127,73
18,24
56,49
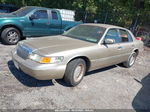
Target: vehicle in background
83,48
31,21
67,15
7,8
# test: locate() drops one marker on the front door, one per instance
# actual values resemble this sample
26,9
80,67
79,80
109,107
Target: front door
126,43
109,54
39,25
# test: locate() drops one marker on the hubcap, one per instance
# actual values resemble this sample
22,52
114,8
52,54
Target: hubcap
79,72
12,36
132,60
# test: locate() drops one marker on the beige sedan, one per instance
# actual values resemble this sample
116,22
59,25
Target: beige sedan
83,48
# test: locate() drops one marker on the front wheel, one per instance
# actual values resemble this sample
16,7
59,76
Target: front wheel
131,60
75,71
10,36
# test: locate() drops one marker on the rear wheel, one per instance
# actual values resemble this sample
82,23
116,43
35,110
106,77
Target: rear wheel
10,36
131,60
75,72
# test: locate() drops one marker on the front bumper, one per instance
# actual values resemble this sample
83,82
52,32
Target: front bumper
37,70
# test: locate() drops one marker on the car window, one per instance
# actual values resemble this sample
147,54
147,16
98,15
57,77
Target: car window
41,14
130,37
125,36
113,34
54,15
86,33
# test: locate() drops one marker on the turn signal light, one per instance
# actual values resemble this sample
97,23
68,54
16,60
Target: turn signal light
45,60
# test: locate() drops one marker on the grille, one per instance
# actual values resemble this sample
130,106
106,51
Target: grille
23,51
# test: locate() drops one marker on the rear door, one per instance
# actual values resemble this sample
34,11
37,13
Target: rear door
126,44
55,23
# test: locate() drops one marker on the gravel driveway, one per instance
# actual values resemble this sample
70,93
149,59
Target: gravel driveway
113,87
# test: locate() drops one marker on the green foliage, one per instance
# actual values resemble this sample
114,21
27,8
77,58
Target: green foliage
120,12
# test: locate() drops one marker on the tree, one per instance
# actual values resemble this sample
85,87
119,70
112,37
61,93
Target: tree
118,12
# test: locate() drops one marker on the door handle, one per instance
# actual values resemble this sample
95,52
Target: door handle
120,47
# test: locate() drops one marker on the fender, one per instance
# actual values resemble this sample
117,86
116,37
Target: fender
86,59
11,22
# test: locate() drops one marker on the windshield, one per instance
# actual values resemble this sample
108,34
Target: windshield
23,11
86,33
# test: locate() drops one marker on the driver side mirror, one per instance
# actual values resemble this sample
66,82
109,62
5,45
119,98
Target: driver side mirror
33,17
109,41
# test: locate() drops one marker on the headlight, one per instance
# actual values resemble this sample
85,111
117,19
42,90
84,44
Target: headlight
46,60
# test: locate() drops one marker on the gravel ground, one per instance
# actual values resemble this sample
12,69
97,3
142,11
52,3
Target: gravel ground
113,87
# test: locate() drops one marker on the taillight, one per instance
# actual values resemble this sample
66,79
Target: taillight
138,38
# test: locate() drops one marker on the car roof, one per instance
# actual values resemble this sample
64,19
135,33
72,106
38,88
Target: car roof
107,26
37,7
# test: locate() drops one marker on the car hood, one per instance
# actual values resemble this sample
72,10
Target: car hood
55,44
7,15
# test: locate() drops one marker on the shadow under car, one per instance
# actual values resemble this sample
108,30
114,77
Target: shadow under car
26,79
32,82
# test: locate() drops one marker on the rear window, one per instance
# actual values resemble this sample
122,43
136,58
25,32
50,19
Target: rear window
54,15
125,36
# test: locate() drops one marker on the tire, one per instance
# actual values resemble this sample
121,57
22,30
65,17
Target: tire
10,36
131,60
72,77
